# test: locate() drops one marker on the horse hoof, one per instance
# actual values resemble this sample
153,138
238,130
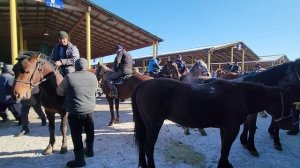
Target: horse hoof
278,147
254,153
110,123
47,152
116,121
187,132
63,150
202,132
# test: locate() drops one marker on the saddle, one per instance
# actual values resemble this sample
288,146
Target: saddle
121,80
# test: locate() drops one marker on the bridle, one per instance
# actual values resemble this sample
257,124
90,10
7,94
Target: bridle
38,68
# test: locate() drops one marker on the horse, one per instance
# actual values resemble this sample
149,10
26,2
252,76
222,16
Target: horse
169,70
202,106
124,90
199,70
35,69
285,76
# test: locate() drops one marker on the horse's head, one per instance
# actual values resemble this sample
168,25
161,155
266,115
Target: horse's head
199,69
29,72
220,72
102,69
170,69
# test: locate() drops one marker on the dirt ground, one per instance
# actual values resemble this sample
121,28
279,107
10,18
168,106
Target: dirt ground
115,147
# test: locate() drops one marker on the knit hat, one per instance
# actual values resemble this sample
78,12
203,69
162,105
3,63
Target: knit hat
81,64
118,47
63,34
8,69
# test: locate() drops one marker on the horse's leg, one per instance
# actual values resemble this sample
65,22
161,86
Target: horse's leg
63,129
51,127
151,138
244,135
251,119
202,131
277,144
111,108
117,104
227,138
271,129
186,130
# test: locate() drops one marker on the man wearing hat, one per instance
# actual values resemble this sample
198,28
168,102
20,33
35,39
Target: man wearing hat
80,103
64,54
6,100
122,66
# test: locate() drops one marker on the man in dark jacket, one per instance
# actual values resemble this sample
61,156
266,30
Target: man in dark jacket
34,102
181,65
122,66
6,100
64,54
79,89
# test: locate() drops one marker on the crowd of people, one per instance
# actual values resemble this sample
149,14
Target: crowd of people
79,95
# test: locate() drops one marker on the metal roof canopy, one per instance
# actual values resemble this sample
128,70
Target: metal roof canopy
219,54
107,29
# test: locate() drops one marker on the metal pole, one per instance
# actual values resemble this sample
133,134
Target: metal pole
13,31
88,36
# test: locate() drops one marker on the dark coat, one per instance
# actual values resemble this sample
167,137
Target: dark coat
123,62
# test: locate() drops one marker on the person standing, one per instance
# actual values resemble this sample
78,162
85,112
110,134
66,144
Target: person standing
6,100
34,102
122,66
79,89
64,54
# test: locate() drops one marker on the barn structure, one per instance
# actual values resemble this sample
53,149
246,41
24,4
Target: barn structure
34,25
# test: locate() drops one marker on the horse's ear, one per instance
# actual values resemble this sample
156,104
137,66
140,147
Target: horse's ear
35,57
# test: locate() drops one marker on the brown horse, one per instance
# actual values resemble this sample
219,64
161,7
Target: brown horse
124,90
169,70
34,69
198,106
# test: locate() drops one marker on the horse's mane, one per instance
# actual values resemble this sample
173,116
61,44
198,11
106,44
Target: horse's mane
28,54
103,72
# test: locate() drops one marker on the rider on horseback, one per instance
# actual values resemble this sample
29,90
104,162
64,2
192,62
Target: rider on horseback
122,66
153,66
181,65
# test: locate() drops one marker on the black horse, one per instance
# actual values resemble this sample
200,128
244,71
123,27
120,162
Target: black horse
285,76
198,106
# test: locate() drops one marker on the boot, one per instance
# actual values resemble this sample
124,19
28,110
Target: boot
19,119
89,151
79,159
44,122
113,89
24,131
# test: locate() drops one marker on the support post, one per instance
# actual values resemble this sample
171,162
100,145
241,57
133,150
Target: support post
88,36
13,31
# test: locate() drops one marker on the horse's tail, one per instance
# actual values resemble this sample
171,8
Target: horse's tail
139,126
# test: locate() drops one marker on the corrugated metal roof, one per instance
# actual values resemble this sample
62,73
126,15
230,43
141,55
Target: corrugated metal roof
107,29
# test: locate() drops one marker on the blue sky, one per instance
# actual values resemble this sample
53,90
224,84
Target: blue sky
268,27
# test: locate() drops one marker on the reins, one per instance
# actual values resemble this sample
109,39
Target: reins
282,111
38,68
